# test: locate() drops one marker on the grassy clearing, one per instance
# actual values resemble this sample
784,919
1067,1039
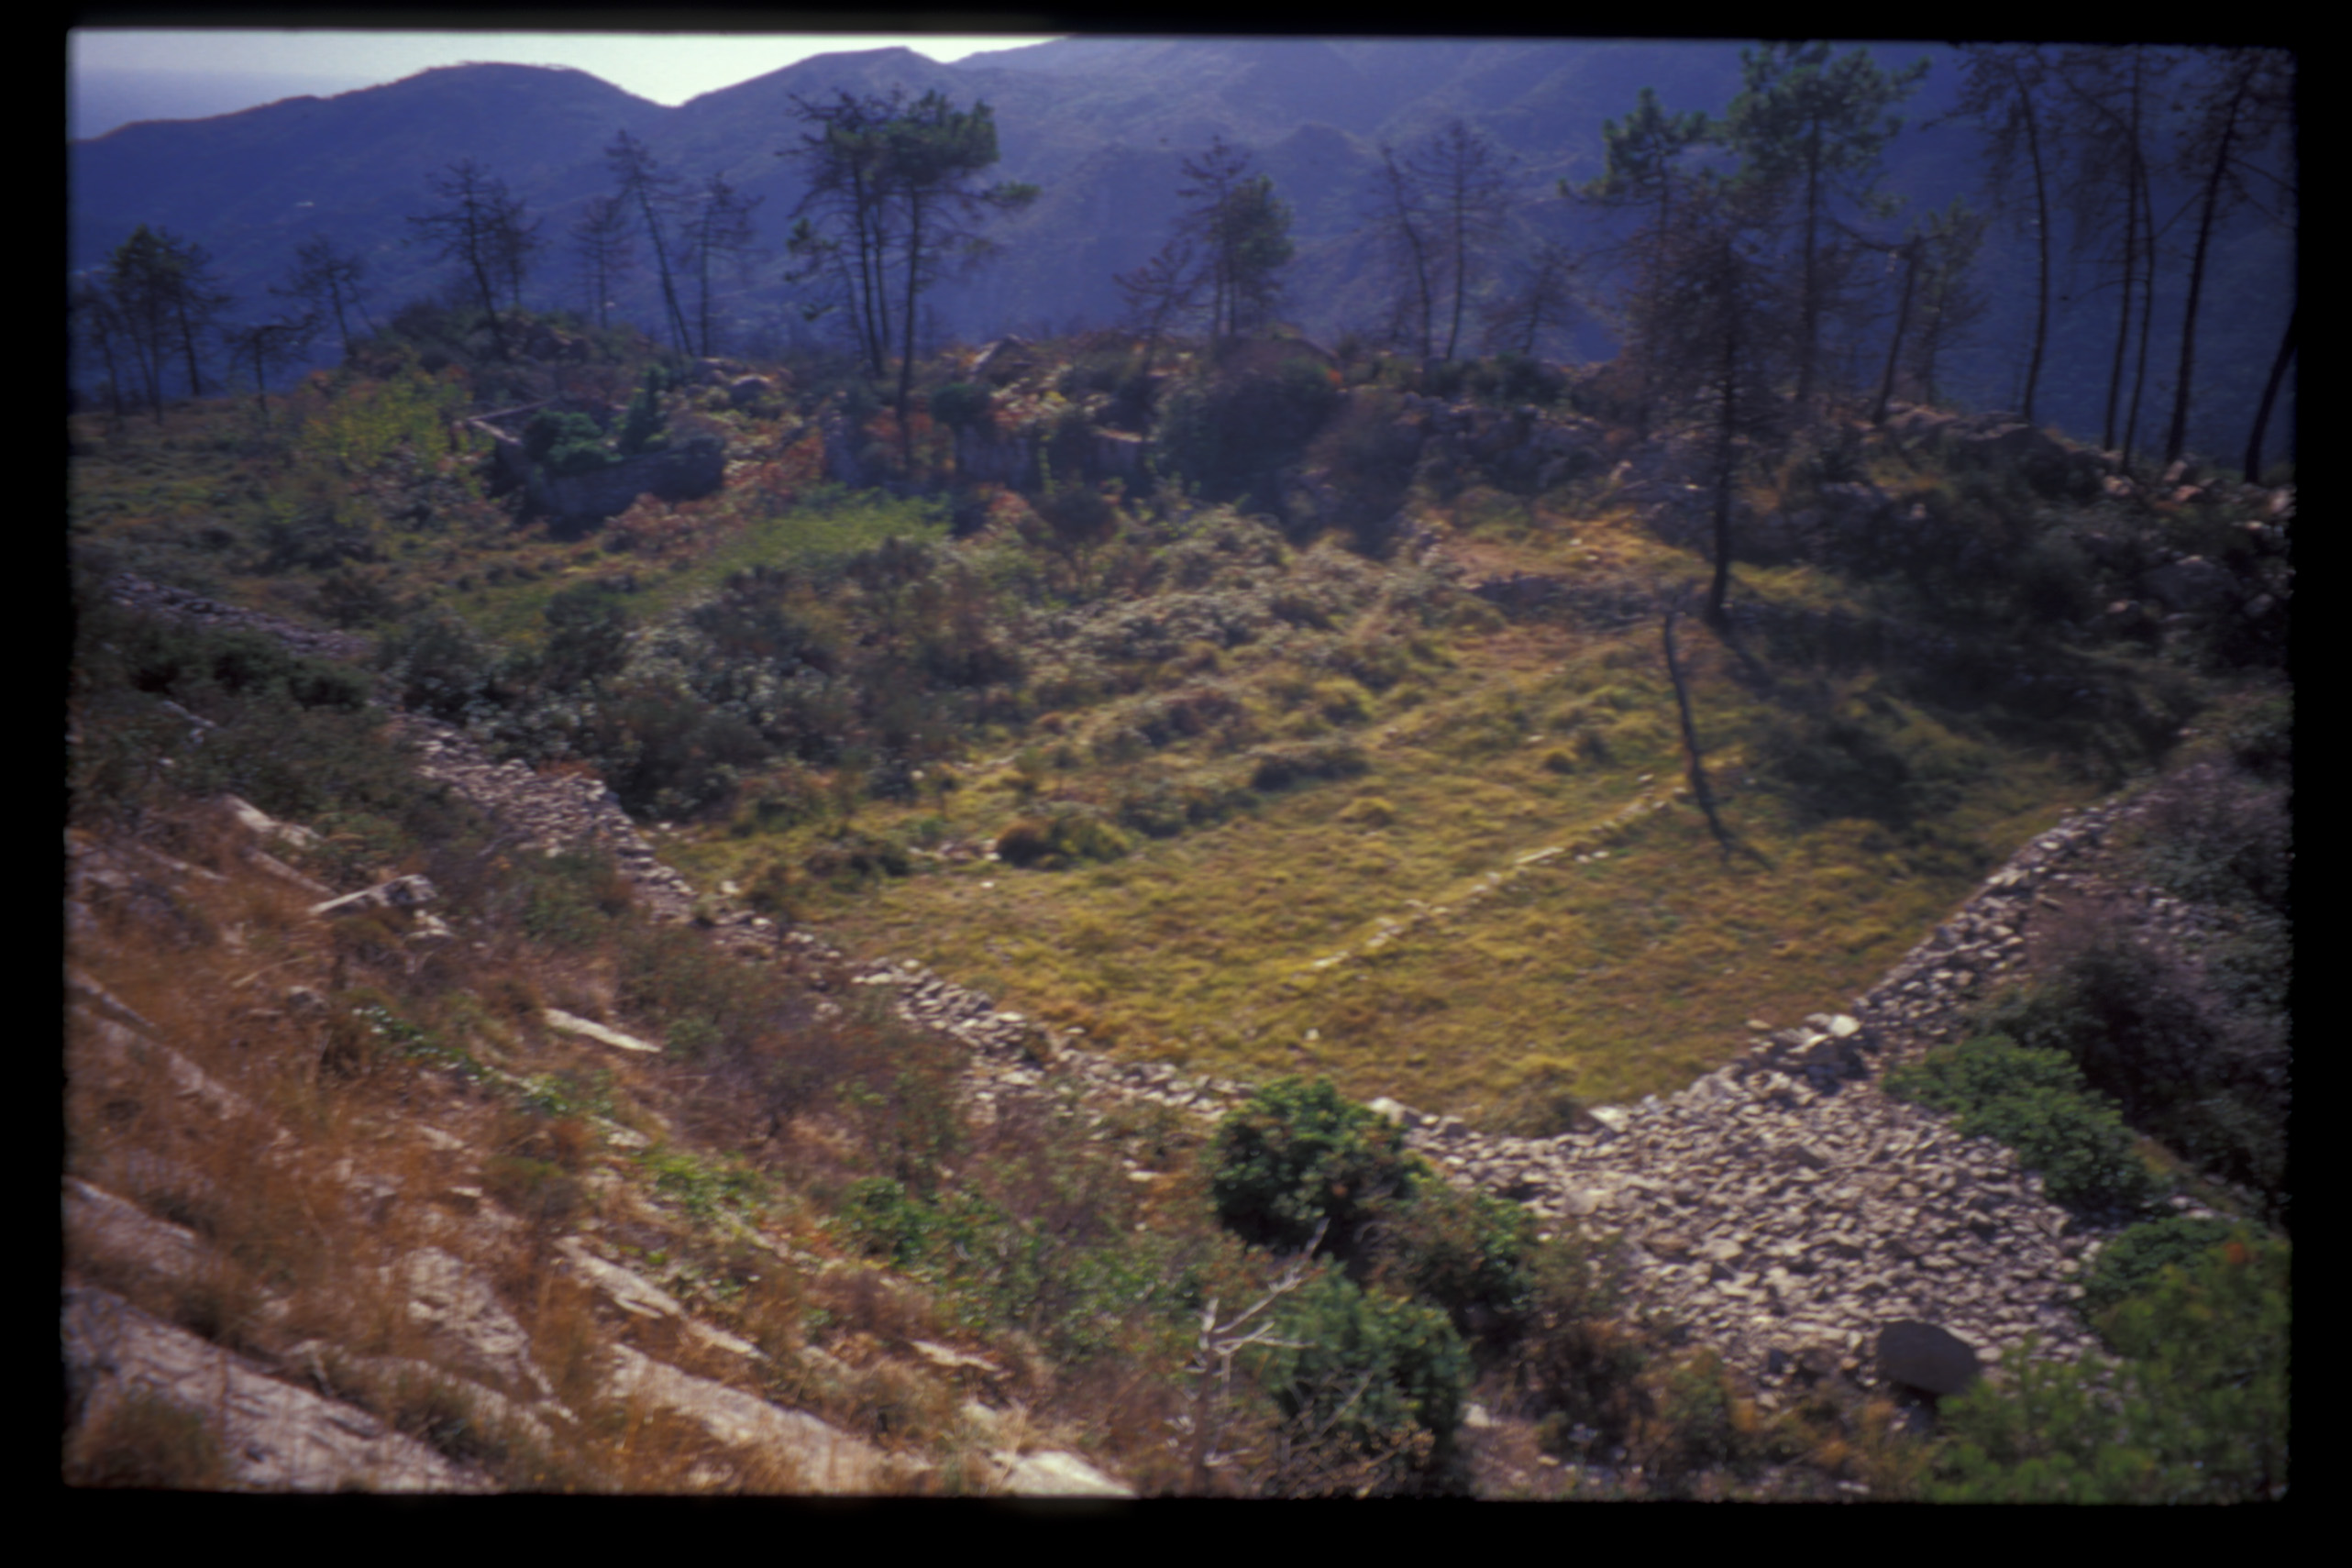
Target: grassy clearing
1384,930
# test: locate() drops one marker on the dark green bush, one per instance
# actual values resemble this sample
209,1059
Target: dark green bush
2036,1102
1229,437
1701,1422
2197,1058
1573,1362
959,403
2133,1263
1467,1254
1841,765
1372,1395
1297,1153
641,427
1163,807
440,666
885,1221
2197,1411
856,858
570,899
292,735
566,443
587,637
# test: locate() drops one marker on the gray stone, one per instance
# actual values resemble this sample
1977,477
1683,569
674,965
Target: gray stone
1926,1357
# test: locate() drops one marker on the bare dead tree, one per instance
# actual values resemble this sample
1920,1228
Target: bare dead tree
1212,1365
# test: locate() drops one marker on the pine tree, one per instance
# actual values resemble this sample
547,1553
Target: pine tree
1814,129
2004,89
602,245
1646,171
1244,231
327,280
653,196
2244,104
484,229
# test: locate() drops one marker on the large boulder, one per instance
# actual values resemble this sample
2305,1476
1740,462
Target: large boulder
1923,1357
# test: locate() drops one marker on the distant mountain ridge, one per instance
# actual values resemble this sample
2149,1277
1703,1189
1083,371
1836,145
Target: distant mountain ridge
1102,125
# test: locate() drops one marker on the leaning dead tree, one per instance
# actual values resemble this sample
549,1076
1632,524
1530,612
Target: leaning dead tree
1212,1365
1700,790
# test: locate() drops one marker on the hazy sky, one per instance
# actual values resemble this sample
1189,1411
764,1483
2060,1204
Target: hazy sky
182,73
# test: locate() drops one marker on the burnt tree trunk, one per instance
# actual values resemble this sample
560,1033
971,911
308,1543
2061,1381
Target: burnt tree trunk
1700,790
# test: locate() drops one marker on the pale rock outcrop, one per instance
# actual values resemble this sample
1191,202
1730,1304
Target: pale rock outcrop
273,1435
587,1029
819,1459
468,1323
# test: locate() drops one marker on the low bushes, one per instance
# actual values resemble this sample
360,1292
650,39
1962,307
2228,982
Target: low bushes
1062,838
2135,1261
1299,1153
2034,1101
2195,1412
1469,1255
1370,1387
1280,767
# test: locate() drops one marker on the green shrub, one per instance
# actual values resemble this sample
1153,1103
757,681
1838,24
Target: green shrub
587,637
566,443
1371,1391
959,403
2133,1263
1297,1153
2197,1411
1841,765
571,900
1163,807
1700,1421
2034,1101
1466,1253
857,857
885,1221
641,428
2196,1058
441,666
1573,1362
1231,435
539,1192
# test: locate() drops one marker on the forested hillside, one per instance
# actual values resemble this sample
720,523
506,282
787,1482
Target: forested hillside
2147,174
1200,907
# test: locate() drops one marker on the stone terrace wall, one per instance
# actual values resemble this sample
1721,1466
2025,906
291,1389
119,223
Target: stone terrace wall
1782,1207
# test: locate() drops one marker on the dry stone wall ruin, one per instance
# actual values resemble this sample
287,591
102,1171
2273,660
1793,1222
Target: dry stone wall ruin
1783,1209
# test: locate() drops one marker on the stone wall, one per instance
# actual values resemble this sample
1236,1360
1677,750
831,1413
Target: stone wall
1782,1207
